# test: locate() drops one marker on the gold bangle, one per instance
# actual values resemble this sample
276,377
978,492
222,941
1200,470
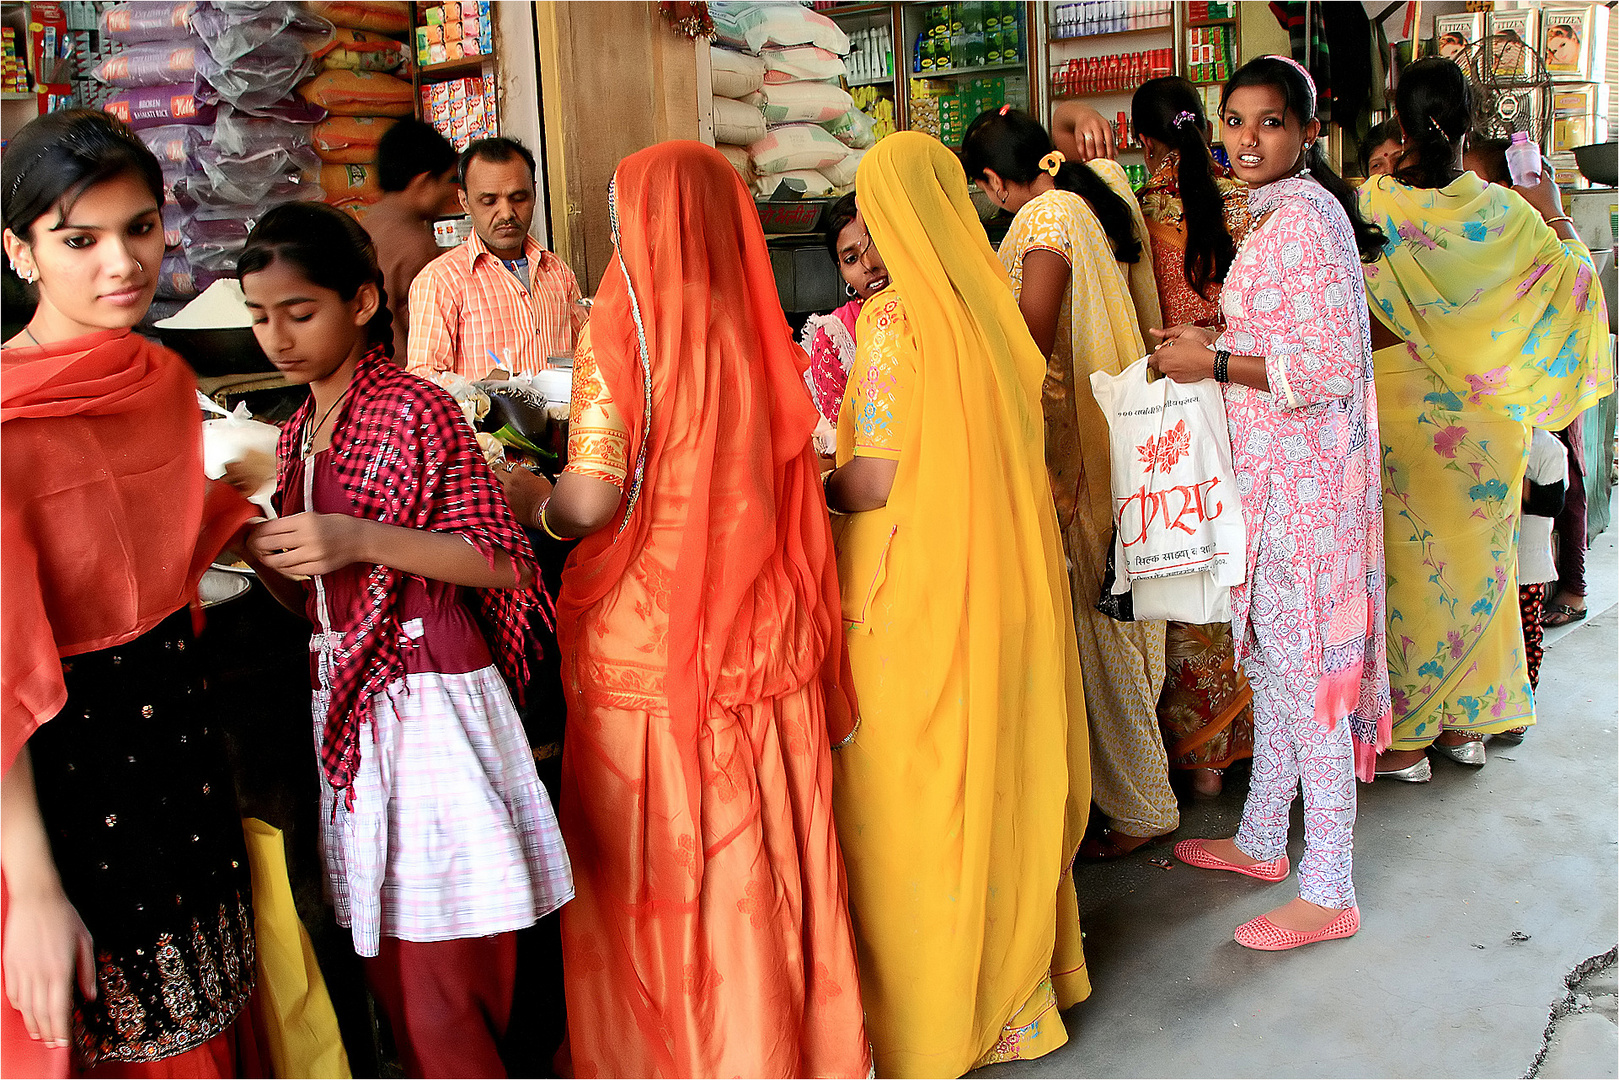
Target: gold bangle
540,519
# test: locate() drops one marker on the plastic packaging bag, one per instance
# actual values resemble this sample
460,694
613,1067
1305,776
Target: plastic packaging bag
343,140
232,29
249,179
796,146
156,63
244,135
358,50
752,26
381,16
175,281
156,106
202,202
854,128
737,122
802,62
347,182
359,93
174,144
738,157
1180,540
804,102
235,438
142,20
842,173
734,74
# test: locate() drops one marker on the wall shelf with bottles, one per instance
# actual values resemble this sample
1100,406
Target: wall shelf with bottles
1099,51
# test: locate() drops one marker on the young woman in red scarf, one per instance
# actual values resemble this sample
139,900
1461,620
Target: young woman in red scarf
128,926
398,544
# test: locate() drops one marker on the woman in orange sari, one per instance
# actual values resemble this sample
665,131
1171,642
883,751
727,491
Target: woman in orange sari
702,659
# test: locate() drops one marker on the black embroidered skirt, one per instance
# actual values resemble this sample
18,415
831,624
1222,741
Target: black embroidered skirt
137,799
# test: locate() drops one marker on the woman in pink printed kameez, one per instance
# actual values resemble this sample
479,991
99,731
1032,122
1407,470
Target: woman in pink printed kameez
1296,368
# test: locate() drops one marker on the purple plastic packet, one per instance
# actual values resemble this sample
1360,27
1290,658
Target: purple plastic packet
155,106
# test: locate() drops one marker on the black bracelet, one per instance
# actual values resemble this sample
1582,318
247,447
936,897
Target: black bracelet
1222,365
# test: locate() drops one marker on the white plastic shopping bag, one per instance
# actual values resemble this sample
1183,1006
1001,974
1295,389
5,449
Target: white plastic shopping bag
1179,540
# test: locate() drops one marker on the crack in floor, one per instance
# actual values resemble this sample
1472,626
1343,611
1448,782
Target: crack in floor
1566,1005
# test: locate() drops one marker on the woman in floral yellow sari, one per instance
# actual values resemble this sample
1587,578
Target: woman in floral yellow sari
962,795
1492,321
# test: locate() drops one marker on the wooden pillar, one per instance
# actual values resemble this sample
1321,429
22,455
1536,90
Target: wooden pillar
614,79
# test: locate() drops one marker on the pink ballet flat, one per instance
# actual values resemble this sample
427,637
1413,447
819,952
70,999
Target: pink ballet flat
1265,935
1193,853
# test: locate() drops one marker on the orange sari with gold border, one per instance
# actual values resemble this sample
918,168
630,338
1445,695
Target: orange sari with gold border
703,665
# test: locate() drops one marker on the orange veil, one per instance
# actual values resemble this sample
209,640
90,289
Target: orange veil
721,393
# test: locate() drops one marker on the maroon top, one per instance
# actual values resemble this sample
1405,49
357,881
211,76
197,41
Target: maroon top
450,642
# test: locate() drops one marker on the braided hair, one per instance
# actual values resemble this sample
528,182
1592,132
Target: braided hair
1169,110
1012,143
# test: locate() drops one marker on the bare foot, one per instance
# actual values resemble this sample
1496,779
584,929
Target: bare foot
1457,738
1395,760
1207,782
1301,915
1228,851
1573,600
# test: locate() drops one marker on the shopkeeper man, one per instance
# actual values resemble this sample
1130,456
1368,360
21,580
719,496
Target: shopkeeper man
499,301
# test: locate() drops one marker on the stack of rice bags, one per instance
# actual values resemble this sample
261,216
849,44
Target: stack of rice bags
362,81
207,85
779,113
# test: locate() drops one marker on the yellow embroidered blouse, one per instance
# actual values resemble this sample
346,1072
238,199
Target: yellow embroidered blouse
598,438
879,393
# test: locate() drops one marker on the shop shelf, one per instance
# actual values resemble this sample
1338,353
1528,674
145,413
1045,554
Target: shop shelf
1126,91
1154,28
952,73
467,65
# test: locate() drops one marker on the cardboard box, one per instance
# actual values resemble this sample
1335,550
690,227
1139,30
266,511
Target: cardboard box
1455,33
1513,35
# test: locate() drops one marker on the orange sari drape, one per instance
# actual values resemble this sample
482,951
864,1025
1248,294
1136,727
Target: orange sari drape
703,664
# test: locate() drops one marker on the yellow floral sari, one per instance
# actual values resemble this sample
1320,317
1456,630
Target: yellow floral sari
962,795
1504,327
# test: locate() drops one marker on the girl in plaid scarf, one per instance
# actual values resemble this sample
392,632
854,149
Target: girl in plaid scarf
398,544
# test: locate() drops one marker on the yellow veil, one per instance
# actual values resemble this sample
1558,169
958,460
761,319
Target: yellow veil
962,797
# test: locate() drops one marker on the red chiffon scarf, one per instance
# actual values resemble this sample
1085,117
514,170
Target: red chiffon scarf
107,520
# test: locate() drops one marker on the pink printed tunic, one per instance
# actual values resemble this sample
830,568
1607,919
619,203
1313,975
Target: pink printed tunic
1306,470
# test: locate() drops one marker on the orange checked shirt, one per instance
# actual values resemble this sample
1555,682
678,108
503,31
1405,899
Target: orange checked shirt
469,313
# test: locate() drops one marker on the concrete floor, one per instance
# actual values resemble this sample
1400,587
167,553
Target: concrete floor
1479,893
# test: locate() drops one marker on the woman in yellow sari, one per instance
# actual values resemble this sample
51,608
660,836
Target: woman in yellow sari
1073,242
1489,321
962,795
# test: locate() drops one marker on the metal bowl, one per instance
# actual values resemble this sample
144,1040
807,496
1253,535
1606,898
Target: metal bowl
1599,163
217,586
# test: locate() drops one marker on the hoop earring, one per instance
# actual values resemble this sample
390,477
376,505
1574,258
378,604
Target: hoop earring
851,291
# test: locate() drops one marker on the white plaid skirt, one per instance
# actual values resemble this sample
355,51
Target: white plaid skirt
451,835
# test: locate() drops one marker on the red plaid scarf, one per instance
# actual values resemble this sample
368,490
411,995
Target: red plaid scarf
405,455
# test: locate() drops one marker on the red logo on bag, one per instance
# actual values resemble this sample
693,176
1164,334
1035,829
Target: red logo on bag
182,105
1163,452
